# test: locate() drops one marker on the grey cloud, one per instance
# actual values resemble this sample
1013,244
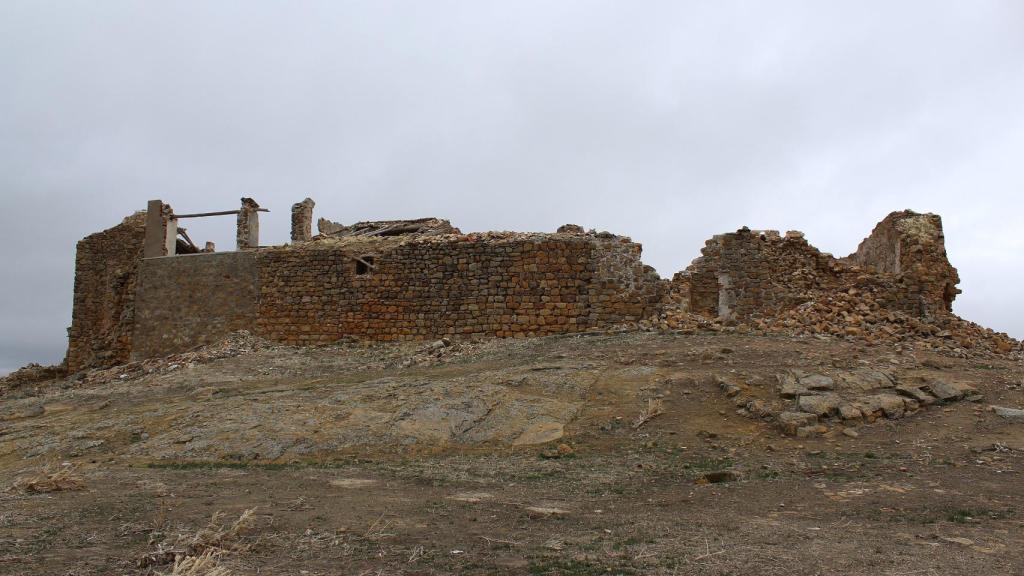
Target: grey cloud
667,121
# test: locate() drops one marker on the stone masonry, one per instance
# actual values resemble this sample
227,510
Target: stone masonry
103,314
424,279
302,220
749,273
911,248
248,234
491,285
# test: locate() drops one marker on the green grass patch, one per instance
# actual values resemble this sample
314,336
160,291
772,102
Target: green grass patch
968,515
709,464
553,567
232,465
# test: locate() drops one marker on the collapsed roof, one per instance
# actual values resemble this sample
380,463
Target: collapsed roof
418,227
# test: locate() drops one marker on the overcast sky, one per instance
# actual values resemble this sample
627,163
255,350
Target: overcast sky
665,121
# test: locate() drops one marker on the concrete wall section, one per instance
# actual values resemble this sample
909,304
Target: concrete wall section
190,300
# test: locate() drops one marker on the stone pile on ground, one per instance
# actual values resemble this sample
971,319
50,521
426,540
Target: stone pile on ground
857,316
434,352
235,344
808,404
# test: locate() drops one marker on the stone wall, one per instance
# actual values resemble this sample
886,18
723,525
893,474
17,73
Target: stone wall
106,272
496,285
504,285
750,273
409,280
623,288
247,233
912,247
194,299
302,220
757,273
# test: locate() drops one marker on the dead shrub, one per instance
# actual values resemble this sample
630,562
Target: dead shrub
206,564
53,478
218,536
655,407
200,551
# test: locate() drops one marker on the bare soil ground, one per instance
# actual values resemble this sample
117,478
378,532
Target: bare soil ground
512,457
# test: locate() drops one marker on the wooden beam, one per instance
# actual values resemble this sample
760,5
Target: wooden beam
361,261
183,234
204,214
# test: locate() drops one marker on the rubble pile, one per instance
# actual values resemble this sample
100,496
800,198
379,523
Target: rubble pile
898,287
856,315
419,226
31,374
437,352
235,344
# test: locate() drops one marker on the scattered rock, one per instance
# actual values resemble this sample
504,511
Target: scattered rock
889,405
560,451
866,380
790,422
1012,414
820,404
540,433
917,393
947,391
850,412
789,386
794,383
817,382
731,389
811,431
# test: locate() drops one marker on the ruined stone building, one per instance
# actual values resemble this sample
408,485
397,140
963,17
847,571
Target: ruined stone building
143,288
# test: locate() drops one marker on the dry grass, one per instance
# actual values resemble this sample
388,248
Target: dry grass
198,554
218,536
206,564
53,478
655,408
